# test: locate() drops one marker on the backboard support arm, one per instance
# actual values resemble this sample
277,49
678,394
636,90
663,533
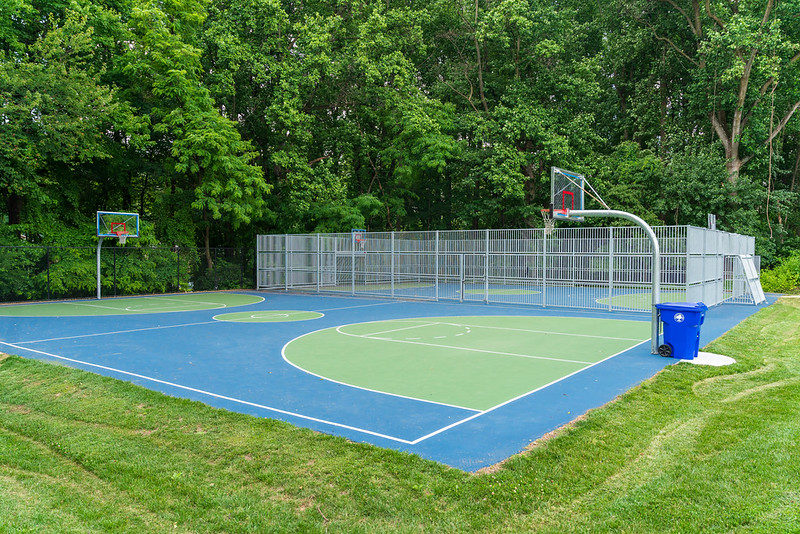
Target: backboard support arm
656,297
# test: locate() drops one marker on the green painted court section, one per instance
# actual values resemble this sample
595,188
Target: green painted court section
470,362
132,305
269,316
643,300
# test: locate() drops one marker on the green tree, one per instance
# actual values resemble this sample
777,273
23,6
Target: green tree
56,113
203,149
523,78
743,60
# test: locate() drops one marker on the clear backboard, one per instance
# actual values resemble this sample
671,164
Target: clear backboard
566,193
114,224
117,224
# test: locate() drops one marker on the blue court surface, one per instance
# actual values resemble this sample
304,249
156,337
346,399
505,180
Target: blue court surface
234,359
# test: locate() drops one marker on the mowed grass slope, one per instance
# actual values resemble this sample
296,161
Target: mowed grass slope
694,449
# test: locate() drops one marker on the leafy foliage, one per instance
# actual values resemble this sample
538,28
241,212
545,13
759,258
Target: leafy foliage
218,120
785,277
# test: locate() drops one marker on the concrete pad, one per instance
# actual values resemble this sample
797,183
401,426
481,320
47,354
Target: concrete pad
709,358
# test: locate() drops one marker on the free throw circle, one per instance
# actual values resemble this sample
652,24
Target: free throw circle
269,316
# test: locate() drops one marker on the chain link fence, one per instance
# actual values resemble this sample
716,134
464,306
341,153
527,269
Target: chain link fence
49,272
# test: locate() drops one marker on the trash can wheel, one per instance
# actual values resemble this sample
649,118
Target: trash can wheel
665,350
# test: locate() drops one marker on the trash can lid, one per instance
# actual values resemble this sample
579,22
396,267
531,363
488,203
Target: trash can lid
682,306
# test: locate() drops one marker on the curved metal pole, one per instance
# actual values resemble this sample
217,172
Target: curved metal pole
656,262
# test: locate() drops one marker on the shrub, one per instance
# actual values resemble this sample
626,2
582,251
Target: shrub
785,277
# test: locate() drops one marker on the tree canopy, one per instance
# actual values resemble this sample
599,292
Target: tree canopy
217,120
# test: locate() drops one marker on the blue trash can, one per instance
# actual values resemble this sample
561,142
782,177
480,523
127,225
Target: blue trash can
682,322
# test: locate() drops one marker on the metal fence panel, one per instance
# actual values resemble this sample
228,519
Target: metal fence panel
591,268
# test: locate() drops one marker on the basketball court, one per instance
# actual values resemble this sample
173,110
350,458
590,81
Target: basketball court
504,336
464,384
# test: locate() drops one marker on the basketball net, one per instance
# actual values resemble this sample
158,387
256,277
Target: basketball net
122,236
549,222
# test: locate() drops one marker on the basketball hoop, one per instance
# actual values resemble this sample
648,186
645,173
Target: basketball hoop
549,222
550,215
359,238
120,230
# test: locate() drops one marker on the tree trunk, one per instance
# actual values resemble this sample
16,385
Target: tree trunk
734,164
530,189
730,142
623,103
479,61
731,127
207,240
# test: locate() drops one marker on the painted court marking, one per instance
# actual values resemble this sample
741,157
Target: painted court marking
358,306
296,414
181,304
523,395
113,333
475,412
478,413
468,326
364,388
467,349
130,305
211,394
435,359
269,316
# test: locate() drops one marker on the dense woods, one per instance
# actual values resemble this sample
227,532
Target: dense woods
220,119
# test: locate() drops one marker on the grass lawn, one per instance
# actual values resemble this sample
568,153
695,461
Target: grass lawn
696,449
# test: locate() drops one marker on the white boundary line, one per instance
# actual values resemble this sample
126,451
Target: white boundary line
430,323
509,401
544,332
215,395
465,349
116,332
360,306
133,309
123,311
423,325
306,371
466,419
196,305
87,305
188,297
